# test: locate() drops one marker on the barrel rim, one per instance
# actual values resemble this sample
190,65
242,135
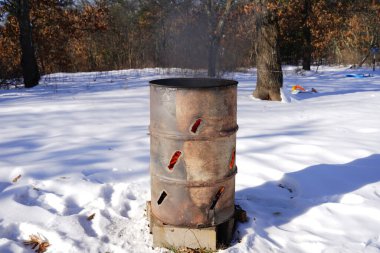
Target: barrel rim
193,83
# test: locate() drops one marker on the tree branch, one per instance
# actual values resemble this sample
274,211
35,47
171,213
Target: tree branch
220,27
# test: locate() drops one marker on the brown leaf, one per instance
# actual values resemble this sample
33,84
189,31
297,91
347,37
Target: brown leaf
43,247
16,179
91,217
38,244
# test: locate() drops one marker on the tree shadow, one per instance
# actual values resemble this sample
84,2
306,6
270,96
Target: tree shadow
276,203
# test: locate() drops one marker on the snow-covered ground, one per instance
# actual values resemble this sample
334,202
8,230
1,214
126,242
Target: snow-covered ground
77,145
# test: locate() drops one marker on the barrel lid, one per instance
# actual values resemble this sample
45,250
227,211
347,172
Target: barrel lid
193,83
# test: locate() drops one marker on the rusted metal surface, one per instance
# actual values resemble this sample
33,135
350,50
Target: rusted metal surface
193,144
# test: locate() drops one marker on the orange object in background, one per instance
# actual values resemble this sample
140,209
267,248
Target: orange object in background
298,87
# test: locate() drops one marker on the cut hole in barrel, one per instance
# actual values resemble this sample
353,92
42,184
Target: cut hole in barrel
162,197
217,197
196,125
174,160
232,161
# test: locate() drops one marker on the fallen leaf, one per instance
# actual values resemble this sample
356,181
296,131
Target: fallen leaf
37,243
91,217
16,179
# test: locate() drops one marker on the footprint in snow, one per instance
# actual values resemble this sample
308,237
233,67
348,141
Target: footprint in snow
72,207
128,204
87,226
27,196
50,201
131,196
106,193
124,199
124,209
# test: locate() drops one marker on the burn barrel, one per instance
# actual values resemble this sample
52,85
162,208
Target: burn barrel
192,151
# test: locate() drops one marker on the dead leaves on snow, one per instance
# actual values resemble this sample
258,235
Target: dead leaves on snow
38,244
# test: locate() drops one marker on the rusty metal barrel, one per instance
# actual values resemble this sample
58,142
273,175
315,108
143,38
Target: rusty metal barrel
192,150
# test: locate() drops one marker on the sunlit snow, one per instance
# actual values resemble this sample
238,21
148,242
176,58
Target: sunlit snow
308,169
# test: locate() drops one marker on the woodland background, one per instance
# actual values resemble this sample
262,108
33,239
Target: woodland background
72,36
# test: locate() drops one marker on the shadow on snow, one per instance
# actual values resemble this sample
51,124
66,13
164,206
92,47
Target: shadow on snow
276,203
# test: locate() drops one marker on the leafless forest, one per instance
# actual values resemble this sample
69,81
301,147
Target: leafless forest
71,36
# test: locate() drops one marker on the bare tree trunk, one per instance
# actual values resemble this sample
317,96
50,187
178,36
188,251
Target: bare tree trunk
216,29
213,56
307,48
269,71
364,59
29,65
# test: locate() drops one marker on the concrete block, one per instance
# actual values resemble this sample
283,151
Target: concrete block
212,238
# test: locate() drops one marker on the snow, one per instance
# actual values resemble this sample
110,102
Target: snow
309,175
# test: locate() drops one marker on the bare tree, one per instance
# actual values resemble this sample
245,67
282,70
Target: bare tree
217,13
306,34
269,71
21,10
